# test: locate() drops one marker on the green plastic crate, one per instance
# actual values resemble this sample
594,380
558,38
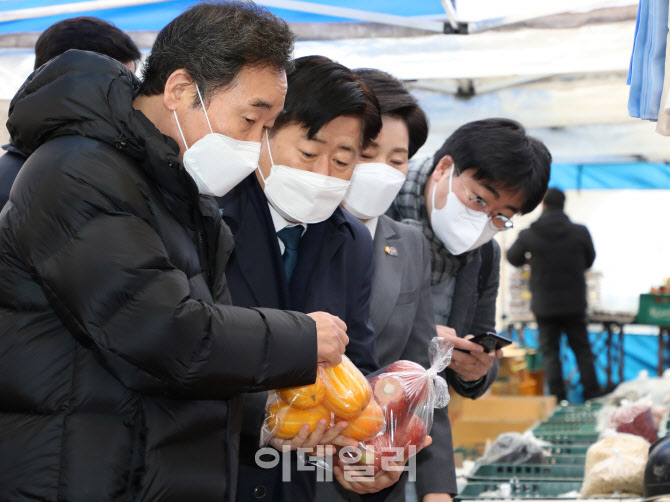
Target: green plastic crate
581,438
588,407
565,459
524,472
560,450
654,309
521,490
573,418
564,428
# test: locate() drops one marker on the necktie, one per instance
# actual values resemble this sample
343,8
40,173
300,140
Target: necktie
290,236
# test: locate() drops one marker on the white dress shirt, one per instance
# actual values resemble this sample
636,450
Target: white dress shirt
372,225
280,223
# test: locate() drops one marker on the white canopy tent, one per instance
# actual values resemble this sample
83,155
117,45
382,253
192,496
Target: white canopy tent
567,85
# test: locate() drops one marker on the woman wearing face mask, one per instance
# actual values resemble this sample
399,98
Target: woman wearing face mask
401,309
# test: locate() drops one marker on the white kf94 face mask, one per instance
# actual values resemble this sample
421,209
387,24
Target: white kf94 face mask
459,230
302,196
217,163
372,189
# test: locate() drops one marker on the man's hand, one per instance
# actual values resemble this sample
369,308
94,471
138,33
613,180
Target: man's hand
322,434
469,367
331,337
371,484
436,497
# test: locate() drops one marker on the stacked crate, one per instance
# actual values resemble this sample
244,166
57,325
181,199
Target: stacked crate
571,430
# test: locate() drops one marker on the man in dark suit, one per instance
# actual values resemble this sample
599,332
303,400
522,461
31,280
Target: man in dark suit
294,246
560,252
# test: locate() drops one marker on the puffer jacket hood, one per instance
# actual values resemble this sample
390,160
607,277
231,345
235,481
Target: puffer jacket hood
121,359
94,99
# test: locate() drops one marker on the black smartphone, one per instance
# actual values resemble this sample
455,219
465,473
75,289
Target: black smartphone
490,342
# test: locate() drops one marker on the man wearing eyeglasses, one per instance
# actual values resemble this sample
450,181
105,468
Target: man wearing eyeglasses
485,172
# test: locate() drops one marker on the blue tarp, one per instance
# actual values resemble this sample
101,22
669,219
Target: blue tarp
153,17
640,353
625,176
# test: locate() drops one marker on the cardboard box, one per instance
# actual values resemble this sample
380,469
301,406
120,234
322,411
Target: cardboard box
473,422
473,432
524,408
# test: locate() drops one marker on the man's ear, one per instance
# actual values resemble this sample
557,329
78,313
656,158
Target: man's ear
442,168
179,90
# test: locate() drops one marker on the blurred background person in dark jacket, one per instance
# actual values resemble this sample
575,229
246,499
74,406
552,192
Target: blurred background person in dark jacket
559,253
84,33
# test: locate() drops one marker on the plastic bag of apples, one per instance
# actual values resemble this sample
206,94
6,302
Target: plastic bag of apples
390,415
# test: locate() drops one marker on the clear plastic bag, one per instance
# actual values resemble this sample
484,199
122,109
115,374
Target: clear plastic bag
619,473
407,394
612,443
635,418
390,415
339,393
514,448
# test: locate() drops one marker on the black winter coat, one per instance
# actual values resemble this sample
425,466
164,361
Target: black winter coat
120,360
10,163
560,253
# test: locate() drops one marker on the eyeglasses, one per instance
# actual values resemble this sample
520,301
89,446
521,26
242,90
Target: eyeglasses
477,205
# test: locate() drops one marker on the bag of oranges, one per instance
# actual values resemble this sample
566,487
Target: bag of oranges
339,393
407,394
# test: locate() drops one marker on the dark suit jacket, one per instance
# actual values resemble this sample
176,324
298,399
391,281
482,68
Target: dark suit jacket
401,311
333,274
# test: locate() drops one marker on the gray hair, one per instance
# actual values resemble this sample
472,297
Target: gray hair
213,41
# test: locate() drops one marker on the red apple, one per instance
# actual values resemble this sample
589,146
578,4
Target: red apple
414,379
375,453
411,432
390,395
404,366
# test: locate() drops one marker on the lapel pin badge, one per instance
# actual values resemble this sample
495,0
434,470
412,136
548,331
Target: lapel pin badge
391,251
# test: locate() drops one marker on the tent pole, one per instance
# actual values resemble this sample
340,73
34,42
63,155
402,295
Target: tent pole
362,15
69,8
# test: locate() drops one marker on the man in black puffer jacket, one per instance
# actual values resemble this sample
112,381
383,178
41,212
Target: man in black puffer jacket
560,252
120,357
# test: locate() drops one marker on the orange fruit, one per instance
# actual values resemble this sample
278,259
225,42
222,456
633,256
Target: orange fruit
347,390
366,425
306,396
284,421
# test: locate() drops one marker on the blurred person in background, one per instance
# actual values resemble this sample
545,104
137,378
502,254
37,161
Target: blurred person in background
469,190
121,358
84,33
559,253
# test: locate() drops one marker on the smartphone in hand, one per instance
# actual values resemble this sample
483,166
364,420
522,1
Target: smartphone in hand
490,341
